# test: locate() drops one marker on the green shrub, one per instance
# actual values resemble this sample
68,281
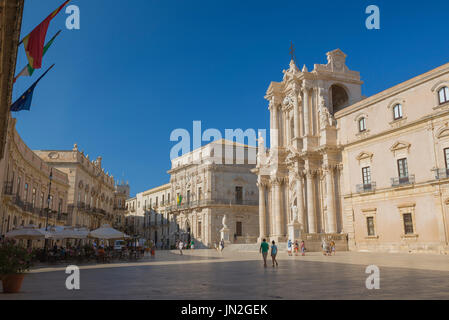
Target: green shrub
13,258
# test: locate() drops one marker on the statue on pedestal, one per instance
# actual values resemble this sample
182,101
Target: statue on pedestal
295,213
224,232
261,153
294,227
326,118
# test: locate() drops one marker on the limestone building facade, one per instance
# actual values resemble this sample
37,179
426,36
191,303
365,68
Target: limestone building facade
92,191
371,171
26,189
204,187
121,194
395,155
10,24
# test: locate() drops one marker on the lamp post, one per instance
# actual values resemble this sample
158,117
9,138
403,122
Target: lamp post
48,206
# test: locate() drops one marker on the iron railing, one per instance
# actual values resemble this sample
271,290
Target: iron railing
7,190
400,181
366,187
441,173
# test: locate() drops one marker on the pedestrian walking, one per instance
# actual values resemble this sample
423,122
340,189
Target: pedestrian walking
153,251
303,248
274,252
296,247
264,250
325,247
289,247
192,245
332,247
180,246
222,245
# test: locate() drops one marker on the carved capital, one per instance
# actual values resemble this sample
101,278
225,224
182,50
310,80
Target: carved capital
277,181
310,173
262,184
307,85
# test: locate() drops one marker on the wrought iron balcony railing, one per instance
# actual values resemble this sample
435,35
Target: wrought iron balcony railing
8,188
400,181
366,187
441,173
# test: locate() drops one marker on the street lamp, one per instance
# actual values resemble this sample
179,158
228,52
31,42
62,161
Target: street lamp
49,198
48,206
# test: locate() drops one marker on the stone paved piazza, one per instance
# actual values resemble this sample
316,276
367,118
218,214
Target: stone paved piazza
207,274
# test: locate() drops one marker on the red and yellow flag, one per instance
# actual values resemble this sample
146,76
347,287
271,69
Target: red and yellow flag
34,42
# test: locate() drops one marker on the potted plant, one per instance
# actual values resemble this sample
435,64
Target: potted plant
14,262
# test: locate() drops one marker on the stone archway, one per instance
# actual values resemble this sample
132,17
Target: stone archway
339,96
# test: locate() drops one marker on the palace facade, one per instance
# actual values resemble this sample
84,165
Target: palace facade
205,185
372,171
25,198
92,194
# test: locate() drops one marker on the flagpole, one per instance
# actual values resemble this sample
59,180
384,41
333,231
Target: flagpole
57,11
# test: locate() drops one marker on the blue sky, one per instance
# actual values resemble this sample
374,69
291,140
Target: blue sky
136,70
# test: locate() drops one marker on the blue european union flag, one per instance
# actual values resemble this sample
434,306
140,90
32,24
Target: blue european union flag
24,102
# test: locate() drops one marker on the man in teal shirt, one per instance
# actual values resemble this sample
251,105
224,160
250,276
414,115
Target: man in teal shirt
264,250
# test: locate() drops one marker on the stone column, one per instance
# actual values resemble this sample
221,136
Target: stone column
306,110
275,125
277,207
311,203
330,202
296,133
281,217
272,209
262,212
300,199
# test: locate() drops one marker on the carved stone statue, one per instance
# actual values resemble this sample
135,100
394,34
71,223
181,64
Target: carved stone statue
223,222
261,142
261,153
295,212
326,118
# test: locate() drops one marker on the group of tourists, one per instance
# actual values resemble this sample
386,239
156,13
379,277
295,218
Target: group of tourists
220,246
188,245
264,248
328,247
296,246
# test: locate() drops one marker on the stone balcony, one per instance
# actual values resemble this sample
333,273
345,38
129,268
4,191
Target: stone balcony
213,202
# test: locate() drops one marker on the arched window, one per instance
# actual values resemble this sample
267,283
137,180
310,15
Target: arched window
362,124
340,98
397,111
443,95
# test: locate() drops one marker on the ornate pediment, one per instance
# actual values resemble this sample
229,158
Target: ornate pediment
365,155
336,64
400,145
443,132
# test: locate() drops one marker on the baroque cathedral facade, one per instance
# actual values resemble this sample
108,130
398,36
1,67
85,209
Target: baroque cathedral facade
369,173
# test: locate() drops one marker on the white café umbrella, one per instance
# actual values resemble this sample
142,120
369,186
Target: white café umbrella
29,232
70,233
107,233
51,231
